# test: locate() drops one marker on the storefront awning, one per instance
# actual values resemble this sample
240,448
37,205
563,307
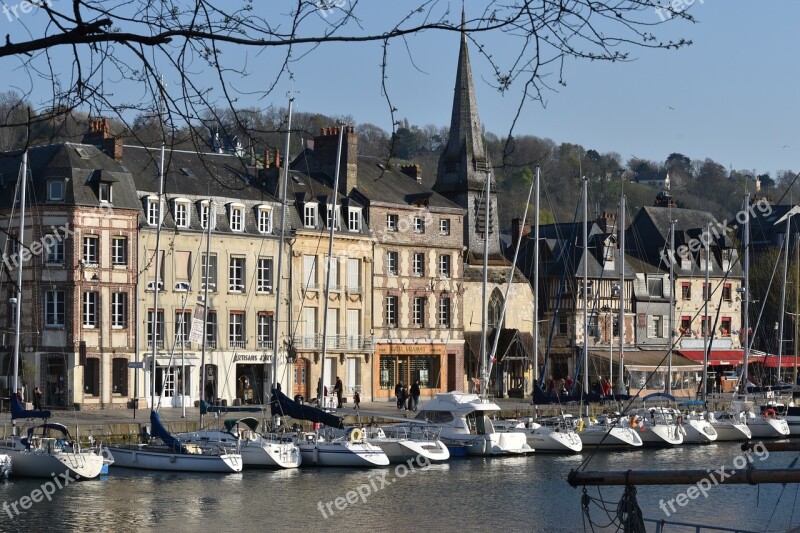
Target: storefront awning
716,357
771,361
649,360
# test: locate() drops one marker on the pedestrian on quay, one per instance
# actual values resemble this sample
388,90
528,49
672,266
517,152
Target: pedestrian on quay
37,398
397,390
356,399
338,389
413,403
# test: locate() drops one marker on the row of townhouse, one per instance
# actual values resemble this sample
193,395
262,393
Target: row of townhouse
714,308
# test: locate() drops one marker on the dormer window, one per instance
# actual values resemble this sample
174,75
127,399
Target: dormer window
104,192
333,216
310,215
204,209
264,219
55,190
236,217
419,225
181,211
152,210
354,219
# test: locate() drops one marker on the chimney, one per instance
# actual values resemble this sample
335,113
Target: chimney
412,171
606,222
325,147
519,226
277,158
99,135
266,157
664,199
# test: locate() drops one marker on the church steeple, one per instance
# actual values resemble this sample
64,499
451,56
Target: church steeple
464,163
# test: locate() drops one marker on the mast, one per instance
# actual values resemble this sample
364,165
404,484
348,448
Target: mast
783,293
796,304
278,284
484,310
330,259
156,265
21,239
585,194
536,279
746,290
206,277
671,325
706,296
621,379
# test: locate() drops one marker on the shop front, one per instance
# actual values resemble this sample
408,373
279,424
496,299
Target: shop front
253,378
407,363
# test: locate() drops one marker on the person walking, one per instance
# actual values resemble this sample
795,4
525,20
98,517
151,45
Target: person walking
403,396
338,389
397,390
356,399
413,403
37,398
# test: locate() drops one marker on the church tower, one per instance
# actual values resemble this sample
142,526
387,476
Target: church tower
464,165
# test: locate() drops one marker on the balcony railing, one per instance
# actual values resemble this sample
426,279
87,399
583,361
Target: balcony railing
265,343
211,344
159,343
354,343
234,343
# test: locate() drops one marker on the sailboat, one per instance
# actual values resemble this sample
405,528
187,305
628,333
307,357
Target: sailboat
328,447
47,449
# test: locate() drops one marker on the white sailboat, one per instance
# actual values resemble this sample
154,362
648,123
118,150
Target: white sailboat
408,444
47,449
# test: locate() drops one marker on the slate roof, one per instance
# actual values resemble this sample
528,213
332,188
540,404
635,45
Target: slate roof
767,226
82,165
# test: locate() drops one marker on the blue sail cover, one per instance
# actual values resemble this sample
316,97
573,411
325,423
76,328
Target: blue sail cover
541,397
18,411
283,405
158,430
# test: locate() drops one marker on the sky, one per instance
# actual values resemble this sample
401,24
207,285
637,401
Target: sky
731,96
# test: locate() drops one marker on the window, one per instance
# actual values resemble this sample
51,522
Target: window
594,331
119,310
727,255
726,292
686,325
181,213
211,329
657,328
705,325
90,309
54,308
310,272
354,275
310,215
391,263
91,377
707,291
119,376
54,249
264,219
686,291
265,330
209,274
655,287
726,325
55,190
354,219
236,217
104,192
204,209
392,221
444,226
236,274
418,312
183,324
264,282
333,275
444,311
236,329
90,250
159,328
589,288
419,264
152,211
119,251
333,211
419,225
391,311
182,261
444,266
563,325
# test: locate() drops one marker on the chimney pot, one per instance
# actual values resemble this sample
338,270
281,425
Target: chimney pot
266,157
277,158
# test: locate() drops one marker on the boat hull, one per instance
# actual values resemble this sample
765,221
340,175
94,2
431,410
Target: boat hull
615,436
143,458
37,464
732,431
768,428
403,450
348,454
256,453
699,432
662,436
549,441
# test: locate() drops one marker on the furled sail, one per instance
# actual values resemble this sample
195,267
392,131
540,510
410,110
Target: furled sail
283,405
18,411
158,431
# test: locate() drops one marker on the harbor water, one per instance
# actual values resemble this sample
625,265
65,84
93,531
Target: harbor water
527,493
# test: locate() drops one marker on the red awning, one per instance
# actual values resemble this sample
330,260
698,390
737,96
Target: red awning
717,357
771,361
